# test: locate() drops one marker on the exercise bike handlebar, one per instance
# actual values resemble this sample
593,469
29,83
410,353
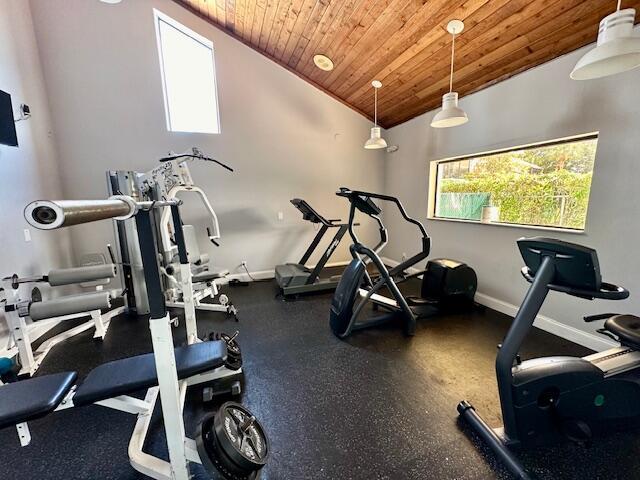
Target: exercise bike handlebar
607,291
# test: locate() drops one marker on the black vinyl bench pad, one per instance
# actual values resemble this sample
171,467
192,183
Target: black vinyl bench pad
33,398
121,377
36,397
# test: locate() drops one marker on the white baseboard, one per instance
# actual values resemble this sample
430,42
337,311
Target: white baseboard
257,275
267,274
586,339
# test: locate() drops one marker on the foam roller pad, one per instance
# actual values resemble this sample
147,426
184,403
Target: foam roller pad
68,276
69,305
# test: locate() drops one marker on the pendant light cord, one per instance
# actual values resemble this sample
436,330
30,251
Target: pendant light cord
619,4
453,50
375,108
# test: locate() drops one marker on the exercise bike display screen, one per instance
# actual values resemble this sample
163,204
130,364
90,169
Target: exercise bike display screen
8,134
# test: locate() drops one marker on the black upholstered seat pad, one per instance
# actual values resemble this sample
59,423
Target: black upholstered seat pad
626,328
33,398
128,375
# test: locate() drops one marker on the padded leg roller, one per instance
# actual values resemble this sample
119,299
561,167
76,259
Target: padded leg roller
69,305
69,276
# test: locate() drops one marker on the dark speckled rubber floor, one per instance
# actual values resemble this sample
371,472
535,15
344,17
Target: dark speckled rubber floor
378,406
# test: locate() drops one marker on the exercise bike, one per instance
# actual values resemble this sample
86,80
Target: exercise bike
447,285
552,399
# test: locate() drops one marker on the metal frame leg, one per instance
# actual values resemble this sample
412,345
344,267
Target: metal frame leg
170,396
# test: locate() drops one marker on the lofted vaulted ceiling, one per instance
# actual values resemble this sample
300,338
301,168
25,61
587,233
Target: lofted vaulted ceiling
404,43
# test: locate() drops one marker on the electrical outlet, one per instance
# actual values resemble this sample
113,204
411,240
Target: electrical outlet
404,256
243,264
280,216
27,235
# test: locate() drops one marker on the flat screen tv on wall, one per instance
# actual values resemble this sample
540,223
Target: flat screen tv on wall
8,134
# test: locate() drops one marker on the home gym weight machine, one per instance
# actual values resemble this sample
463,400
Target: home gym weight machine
551,399
231,442
168,180
28,320
295,278
448,285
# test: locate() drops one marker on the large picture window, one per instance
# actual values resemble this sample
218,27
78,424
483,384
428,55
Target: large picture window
545,185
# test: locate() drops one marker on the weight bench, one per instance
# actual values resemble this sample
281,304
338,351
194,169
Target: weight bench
107,385
167,372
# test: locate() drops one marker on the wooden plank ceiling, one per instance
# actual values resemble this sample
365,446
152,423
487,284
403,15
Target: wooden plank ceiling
404,43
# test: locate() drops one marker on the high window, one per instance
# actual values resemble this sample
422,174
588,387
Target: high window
188,77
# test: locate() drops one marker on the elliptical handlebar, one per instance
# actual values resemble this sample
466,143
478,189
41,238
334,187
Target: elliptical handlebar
362,201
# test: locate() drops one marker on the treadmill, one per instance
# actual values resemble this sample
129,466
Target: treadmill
296,278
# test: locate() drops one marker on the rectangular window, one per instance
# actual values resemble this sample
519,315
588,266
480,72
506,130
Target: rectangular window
545,184
188,77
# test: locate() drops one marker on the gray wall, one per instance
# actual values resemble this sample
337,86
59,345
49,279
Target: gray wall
30,171
540,104
283,137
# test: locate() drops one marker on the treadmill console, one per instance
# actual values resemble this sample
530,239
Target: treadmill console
308,213
576,266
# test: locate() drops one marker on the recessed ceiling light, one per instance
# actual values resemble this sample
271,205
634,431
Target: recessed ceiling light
323,62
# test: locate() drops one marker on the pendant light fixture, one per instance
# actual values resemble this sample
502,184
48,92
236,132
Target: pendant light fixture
617,51
451,114
376,141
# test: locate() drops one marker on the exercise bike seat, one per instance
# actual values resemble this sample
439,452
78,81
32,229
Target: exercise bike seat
33,398
626,328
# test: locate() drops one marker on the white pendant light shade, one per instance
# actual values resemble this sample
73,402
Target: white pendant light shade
376,141
451,114
617,51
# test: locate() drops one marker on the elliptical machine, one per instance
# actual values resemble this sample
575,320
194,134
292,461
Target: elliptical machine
550,399
447,285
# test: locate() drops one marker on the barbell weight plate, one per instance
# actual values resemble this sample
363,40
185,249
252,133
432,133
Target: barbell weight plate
241,436
232,443
213,459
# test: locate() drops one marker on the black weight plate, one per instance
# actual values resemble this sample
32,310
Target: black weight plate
233,363
248,449
213,459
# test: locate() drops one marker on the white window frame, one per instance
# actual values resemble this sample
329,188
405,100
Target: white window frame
158,17
433,181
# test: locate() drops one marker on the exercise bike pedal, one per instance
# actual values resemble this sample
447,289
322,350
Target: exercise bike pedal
577,431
